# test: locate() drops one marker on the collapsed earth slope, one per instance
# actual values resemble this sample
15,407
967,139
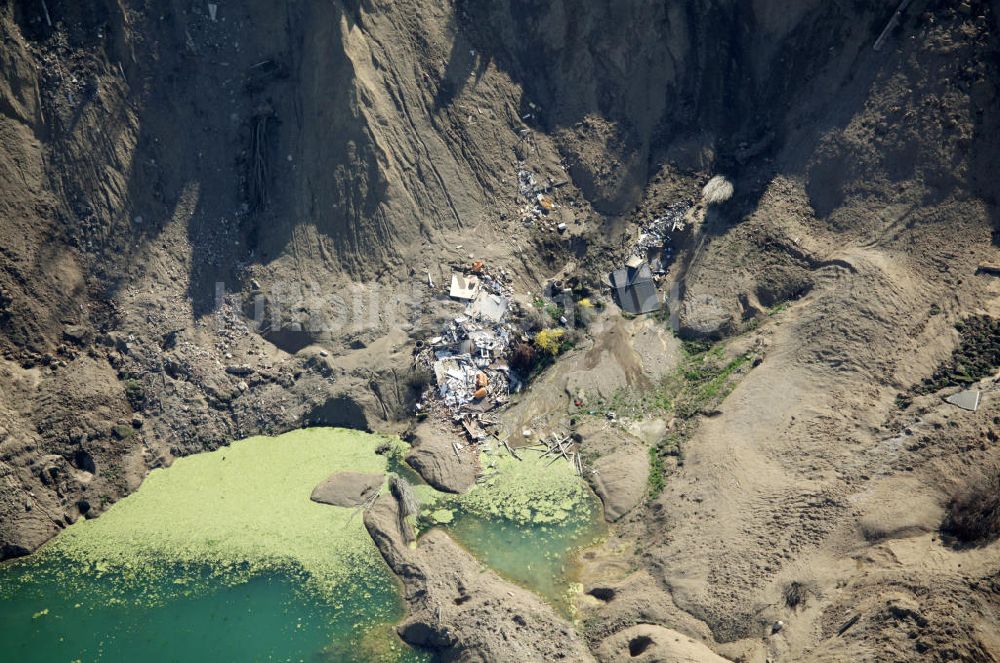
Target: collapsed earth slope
219,224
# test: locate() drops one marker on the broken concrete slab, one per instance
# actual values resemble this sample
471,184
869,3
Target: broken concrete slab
488,306
967,400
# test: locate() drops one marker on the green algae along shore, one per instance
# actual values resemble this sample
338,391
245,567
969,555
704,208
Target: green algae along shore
234,531
222,554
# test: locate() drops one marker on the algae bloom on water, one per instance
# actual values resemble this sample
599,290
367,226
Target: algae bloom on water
526,519
223,535
531,490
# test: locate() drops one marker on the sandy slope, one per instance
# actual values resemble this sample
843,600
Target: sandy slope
392,136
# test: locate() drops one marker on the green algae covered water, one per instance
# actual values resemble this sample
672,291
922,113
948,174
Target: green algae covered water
526,519
539,557
223,557
54,612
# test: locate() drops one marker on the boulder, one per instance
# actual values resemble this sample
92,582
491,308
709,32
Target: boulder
347,489
434,458
78,335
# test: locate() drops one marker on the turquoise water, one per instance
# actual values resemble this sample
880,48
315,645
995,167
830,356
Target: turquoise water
541,558
223,557
51,609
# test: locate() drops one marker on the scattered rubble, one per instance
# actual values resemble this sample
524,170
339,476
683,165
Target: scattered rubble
538,201
656,235
469,359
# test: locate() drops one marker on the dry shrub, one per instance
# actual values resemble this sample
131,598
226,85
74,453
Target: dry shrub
973,516
532,319
795,594
523,358
718,190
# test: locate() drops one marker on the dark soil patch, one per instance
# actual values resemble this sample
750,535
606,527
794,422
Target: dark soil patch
638,646
973,516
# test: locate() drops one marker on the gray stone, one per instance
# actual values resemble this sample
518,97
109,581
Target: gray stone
434,458
348,489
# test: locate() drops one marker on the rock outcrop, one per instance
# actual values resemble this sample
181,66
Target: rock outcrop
436,460
620,480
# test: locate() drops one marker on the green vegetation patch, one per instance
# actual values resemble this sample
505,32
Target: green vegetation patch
977,356
703,379
657,473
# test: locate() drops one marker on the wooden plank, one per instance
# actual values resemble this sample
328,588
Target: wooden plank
897,17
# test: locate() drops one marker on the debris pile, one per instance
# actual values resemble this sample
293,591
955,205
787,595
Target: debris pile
557,446
469,359
655,236
538,201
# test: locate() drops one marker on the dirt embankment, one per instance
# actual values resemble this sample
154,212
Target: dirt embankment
220,225
462,611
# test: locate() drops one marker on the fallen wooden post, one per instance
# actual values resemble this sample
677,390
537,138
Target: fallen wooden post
891,25
509,449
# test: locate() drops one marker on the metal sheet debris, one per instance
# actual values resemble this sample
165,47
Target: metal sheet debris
634,289
967,400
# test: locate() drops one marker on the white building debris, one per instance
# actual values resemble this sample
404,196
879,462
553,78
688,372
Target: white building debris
469,357
464,286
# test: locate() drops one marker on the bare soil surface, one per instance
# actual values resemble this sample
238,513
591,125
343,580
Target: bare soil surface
216,228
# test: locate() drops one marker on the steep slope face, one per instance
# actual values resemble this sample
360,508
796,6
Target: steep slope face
158,158
626,87
217,225
867,217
